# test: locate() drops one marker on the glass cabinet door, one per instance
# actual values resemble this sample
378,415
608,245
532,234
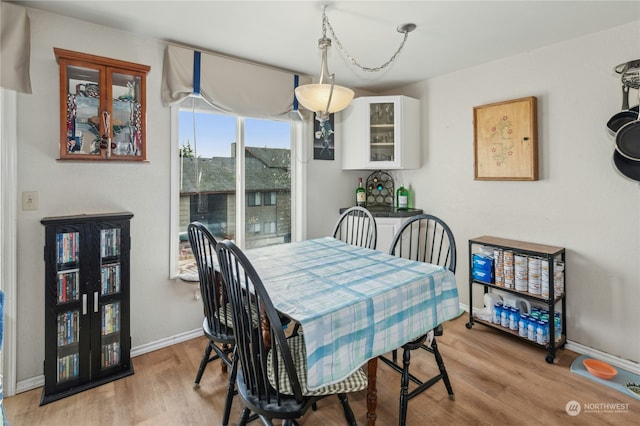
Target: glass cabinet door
127,118
382,134
109,297
84,126
68,306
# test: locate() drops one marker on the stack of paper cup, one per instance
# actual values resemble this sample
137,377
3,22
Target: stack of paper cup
521,275
498,261
508,269
535,270
558,277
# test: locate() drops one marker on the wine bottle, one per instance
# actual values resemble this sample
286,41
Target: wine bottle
361,194
402,198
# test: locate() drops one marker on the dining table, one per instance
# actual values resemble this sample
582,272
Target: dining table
353,303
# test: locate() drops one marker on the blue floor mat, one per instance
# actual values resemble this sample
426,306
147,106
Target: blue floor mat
618,382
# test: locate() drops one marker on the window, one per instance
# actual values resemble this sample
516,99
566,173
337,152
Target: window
270,198
253,228
253,199
269,228
223,160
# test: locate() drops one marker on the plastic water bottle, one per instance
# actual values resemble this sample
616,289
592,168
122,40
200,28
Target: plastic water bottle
523,323
541,332
514,317
497,312
531,329
504,316
557,324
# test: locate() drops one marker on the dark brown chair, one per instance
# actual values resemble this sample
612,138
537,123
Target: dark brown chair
217,325
272,376
357,226
423,238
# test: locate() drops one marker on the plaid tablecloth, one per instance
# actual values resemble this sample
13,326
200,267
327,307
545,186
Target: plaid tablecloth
353,303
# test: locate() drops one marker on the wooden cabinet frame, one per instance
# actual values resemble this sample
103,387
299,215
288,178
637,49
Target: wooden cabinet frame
93,79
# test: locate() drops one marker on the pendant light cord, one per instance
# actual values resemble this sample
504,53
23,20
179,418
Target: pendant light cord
405,28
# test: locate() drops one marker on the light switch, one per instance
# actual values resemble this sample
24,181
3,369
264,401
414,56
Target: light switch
30,200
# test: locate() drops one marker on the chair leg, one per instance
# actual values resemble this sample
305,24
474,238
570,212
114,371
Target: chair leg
244,416
348,413
296,329
443,370
404,387
230,390
225,348
204,362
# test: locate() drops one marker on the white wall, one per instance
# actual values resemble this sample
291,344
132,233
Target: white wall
580,202
159,307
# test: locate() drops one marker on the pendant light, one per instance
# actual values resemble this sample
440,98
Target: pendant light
325,97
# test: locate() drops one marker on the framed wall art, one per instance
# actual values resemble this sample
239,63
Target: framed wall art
323,139
506,140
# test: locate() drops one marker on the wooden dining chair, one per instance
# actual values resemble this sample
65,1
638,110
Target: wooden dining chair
423,238
272,369
357,226
217,325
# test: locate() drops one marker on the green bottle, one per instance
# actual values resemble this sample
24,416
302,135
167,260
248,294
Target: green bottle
361,194
402,198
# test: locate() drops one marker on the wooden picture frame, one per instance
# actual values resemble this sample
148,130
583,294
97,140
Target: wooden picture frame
505,144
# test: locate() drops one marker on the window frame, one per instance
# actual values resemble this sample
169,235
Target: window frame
251,199
269,200
299,155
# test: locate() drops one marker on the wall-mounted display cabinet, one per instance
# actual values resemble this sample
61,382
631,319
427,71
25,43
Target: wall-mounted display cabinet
87,338
102,108
381,132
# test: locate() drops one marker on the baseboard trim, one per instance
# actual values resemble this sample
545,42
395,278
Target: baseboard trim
630,366
28,384
163,343
38,381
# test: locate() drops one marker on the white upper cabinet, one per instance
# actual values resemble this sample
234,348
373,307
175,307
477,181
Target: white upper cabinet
381,132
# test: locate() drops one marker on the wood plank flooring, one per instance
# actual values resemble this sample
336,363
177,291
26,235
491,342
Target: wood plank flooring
498,380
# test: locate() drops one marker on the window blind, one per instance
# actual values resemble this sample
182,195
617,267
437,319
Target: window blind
228,85
15,45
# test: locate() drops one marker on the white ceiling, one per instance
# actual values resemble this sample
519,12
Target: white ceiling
450,35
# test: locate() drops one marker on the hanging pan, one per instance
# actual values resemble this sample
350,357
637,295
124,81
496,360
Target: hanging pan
628,139
629,168
626,115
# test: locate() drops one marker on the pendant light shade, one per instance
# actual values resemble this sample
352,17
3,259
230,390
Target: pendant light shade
315,97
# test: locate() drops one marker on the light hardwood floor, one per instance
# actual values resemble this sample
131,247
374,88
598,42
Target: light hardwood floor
498,380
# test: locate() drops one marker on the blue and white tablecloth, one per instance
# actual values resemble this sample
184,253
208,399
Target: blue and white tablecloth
353,303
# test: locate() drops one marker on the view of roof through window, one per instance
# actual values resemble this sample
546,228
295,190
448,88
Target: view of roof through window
208,183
